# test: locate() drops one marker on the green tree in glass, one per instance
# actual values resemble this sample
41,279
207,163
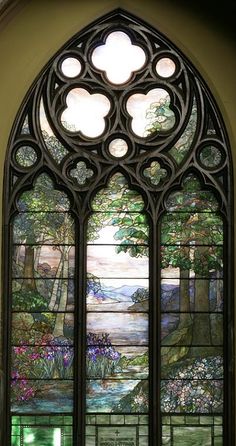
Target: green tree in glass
54,146
182,146
160,116
43,219
191,220
122,207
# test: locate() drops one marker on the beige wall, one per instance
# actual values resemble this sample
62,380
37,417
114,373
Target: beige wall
31,31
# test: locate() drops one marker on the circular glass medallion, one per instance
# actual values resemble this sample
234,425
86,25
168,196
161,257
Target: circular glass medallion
165,67
71,67
26,156
210,157
118,147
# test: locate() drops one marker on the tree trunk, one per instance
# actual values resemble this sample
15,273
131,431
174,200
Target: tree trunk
201,325
28,280
59,323
218,292
17,249
56,286
184,305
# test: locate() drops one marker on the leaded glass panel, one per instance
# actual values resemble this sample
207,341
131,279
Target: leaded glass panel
117,251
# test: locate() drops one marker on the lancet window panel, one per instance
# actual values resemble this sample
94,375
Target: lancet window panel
117,251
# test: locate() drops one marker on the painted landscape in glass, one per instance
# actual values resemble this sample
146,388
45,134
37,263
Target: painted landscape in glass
117,302
42,302
192,302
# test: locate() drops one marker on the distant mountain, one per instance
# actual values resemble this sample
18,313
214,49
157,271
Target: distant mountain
127,290
120,294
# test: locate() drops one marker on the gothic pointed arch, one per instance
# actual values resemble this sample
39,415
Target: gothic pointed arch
117,252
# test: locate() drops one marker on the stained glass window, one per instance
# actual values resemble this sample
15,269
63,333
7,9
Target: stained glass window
118,250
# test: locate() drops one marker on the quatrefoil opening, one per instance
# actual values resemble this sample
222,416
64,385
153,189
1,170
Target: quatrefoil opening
118,57
155,173
151,112
81,173
85,112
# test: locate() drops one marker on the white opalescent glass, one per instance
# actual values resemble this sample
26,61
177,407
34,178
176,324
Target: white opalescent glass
71,67
142,106
118,57
85,112
165,67
118,147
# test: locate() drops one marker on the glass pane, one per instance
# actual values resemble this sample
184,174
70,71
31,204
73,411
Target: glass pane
122,396
41,430
71,67
85,112
25,127
184,143
118,228
165,67
53,145
179,294
117,294
43,197
40,328
128,429
150,112
26,156
192,362
37,295
192,228
81,174
43,361
210,157
183,436
122,328
52,262
118,147
192,198
104,360
200,261
115,261
41,396
118,57
117,197
43,228
192,329
196,396
187,430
